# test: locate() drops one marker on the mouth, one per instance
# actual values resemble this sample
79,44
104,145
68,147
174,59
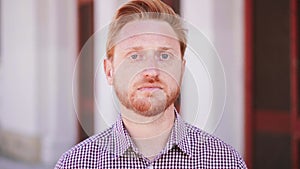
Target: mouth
149,88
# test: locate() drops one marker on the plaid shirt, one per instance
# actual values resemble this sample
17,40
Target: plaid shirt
188,147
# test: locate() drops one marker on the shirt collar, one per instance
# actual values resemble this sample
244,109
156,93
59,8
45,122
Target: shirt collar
121,139
122,142
179,136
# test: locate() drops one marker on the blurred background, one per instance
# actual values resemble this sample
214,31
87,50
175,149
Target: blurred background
40,41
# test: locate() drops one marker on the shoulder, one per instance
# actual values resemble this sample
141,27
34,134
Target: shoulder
213,150
204,139
91,148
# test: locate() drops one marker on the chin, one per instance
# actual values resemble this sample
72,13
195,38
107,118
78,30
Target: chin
149,109
151,113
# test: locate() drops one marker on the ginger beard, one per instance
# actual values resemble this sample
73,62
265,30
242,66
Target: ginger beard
137,96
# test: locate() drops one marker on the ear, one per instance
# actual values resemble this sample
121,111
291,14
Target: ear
183,66
108,70
182,70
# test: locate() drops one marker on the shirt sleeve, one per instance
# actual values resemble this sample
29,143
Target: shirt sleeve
242,164
60,163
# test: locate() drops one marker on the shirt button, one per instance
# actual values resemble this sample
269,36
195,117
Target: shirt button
150,166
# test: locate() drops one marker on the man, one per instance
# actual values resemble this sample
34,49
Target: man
145,64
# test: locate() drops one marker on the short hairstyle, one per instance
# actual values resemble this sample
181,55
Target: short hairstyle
141,10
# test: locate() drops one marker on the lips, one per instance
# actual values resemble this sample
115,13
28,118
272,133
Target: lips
150,88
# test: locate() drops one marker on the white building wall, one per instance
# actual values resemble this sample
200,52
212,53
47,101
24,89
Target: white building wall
19,67
57,50
222,22
229,40
38,52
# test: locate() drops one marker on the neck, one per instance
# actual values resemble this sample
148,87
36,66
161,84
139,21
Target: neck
150,134
140,126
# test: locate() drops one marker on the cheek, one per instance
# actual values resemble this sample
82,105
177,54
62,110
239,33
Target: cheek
124,71
122,77
172,74
170,81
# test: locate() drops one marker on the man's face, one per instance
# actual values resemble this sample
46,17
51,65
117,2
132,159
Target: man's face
147,67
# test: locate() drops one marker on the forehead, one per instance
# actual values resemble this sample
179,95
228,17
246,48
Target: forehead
147,34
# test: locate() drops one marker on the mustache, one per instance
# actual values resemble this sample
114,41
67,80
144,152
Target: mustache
149,83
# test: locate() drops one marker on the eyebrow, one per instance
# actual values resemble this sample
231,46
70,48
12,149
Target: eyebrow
165,48
139,48
136,48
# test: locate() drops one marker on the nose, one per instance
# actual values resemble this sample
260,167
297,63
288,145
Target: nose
151,65
151,73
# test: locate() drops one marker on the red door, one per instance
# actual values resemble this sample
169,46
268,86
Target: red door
272,123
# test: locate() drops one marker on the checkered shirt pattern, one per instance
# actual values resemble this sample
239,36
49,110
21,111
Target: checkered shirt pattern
188,147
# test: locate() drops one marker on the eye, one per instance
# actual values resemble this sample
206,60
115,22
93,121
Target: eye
164,56
134,56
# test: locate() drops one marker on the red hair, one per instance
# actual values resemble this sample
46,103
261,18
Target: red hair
140,10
